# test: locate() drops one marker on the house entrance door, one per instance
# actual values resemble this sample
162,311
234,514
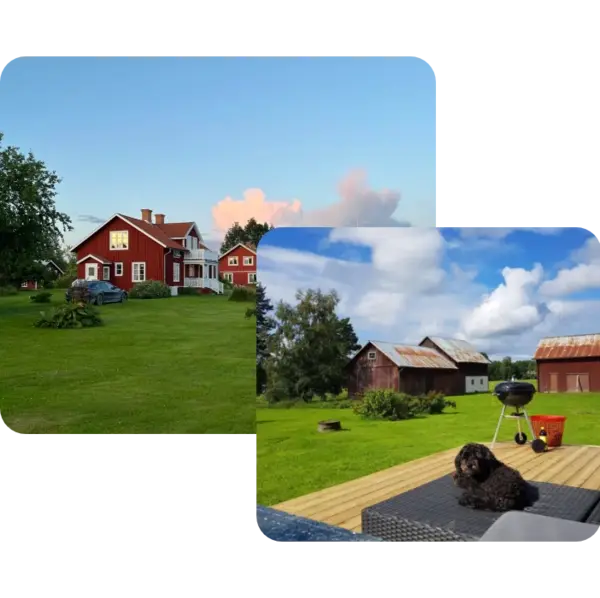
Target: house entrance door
91,271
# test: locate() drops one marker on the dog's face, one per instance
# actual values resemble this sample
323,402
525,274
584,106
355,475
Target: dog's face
474,461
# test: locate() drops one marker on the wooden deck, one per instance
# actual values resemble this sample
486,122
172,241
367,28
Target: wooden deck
341,505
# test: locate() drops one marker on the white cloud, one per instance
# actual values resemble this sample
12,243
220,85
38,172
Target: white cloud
583,276
412,289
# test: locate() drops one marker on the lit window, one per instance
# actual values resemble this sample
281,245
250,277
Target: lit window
119,239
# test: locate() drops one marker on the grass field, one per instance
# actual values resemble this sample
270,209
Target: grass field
294,459
179,365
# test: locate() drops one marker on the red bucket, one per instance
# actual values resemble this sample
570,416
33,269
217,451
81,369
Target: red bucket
553,424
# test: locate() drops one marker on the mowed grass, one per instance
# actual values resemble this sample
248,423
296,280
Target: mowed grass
179,365
294,459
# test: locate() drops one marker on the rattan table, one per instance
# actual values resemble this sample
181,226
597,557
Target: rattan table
431,512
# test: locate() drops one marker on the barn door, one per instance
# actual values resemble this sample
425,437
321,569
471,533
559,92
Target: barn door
553,382
578,382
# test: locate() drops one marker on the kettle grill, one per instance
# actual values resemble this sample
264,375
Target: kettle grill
517,395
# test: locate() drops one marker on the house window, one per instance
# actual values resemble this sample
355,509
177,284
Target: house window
105,272
251,277
118,268
176,253
481,382
248,260
138,271
119,239
228,276
371,355
176,272
233,261
24,285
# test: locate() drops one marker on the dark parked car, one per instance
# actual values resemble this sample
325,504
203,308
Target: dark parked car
99,292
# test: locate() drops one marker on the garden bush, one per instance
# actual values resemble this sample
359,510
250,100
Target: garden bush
6,291
433,403
384,404
70,315
64,281
150,289
243,294
41,297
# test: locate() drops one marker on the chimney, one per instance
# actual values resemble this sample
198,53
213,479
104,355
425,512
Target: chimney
147,215
159,218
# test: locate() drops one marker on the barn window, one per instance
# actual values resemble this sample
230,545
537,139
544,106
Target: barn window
233,261
481,382
248,260
119,239
371,355
472,381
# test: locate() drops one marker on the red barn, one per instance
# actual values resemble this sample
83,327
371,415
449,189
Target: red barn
32,285
568,363
126,250
238,265
403,368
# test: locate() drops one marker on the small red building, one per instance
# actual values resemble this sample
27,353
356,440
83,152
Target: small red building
238,265
568,363
126,250
32,285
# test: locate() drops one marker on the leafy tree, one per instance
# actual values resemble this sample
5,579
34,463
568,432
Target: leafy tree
250,234
309,348
31,227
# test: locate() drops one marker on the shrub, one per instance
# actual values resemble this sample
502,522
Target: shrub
70,315
384,404
243,294
64,281
150,289
41,297
6,291
187,291
49,284
434,403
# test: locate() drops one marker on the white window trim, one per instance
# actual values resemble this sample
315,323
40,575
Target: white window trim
133,265
24,284
228,276
115,247
88,265
372,355
176,272
104,268
249,275
233,261
118,268
248,260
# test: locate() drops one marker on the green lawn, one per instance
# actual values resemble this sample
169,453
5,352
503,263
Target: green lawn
294,459
179,365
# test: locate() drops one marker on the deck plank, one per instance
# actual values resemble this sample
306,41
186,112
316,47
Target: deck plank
342,504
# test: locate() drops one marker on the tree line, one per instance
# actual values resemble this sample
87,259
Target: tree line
506,368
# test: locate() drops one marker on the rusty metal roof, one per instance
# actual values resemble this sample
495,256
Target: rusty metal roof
409,356
458,350
568,347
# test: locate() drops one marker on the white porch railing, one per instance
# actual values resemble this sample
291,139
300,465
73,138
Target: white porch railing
200,255
204,283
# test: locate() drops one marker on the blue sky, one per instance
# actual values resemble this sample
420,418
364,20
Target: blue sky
501,289
181,135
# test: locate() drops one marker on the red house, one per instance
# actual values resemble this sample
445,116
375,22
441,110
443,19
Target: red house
32,285
238,265
126,250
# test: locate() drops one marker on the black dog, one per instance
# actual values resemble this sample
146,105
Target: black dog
488,483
